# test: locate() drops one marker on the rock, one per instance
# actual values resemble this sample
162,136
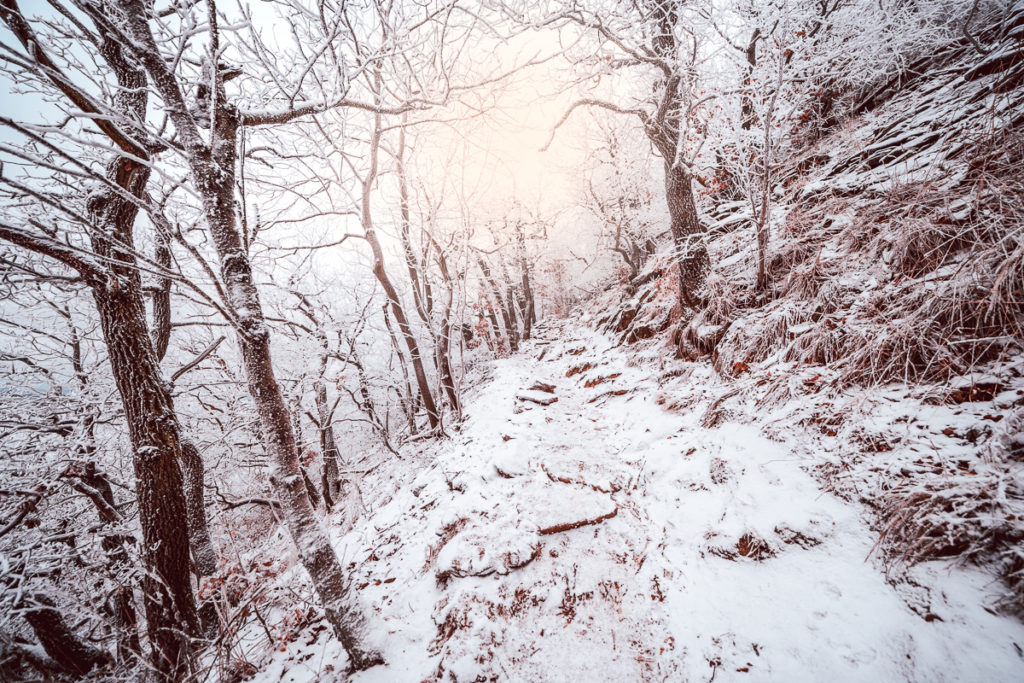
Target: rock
537,397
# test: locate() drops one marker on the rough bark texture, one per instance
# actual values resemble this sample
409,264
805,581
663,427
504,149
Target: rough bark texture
687,234
204,552
212,168
69,652
153,428
664,129
162,296
117,292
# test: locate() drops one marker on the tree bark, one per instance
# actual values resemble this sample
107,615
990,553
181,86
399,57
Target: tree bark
204,552
444,364
215,181
65,648
664,129
152,424
162,297
212,168
328,446
526,302
687,235
117,292
411,261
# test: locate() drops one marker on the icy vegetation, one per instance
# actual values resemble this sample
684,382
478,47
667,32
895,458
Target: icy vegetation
475,341
603,537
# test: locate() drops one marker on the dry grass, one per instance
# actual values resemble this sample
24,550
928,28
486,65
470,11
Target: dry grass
914,284
974,516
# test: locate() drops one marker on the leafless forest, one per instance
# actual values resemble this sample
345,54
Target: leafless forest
472,340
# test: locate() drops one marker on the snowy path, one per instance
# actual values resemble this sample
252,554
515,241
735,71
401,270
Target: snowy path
723,559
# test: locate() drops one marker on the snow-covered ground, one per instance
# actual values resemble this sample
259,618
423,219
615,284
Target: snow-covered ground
602,537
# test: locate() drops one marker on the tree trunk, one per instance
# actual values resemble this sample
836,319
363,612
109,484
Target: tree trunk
162,297
664,130
419,372
380,272
204,552
508,321
687,235
213,171
60,642
328,446
492,319
152,424
409,406
526,302
411,261
747,115
444,364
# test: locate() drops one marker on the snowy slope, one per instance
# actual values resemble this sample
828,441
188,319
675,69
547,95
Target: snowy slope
826,483
703,554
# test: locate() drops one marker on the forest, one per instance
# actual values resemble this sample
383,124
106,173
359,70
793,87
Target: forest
511,340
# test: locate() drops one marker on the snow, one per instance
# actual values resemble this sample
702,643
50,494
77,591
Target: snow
722,558
602,532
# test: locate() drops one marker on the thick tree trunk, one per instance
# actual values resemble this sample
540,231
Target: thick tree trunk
687,235
664,130
152,425
213,173
65,648
212,166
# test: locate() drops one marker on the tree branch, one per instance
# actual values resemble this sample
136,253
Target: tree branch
93,273
19,26
197,360
590,103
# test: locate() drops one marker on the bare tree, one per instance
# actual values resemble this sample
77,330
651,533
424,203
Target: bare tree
111,269
652,36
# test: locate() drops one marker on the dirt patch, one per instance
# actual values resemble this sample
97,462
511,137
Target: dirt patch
577,369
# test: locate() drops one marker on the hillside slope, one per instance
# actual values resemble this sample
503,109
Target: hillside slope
820,479
604,537
892,323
